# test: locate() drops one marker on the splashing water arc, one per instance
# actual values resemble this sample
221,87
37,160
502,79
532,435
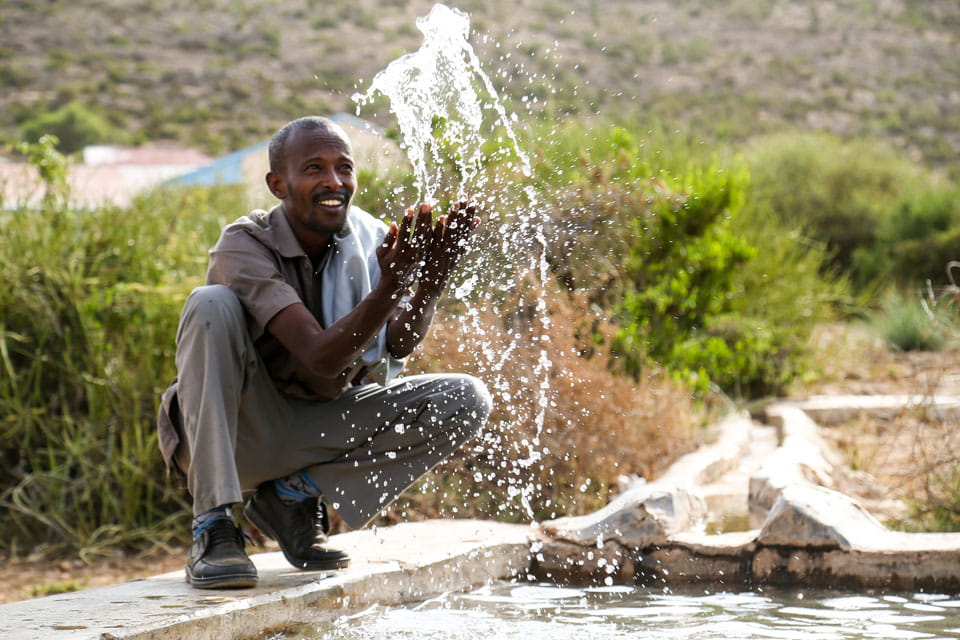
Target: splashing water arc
447,109
436,84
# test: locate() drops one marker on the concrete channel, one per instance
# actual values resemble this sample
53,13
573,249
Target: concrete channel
390,566
777,477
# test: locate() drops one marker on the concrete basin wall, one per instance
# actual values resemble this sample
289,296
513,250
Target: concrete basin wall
809,533
405,563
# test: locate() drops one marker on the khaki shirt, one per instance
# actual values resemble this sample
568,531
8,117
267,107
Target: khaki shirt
261,260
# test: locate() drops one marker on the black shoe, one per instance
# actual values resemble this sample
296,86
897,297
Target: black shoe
217,559
294,527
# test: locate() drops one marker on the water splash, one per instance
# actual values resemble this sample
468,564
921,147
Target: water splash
441,98
453,124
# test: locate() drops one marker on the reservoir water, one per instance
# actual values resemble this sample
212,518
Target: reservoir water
548,612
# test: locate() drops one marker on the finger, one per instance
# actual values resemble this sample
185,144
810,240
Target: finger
441,225
472,217
423,231
463,222
388,240
405,223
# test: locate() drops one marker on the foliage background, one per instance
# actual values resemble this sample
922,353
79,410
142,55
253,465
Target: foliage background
717,180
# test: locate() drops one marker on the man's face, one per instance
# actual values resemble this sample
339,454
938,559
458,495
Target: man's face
316,182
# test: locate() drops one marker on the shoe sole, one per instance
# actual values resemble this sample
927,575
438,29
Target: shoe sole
231,581
260,523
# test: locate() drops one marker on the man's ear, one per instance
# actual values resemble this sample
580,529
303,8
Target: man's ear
277,185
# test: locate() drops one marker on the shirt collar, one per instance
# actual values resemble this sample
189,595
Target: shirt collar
286,241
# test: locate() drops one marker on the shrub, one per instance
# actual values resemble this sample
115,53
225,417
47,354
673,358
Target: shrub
567,463
659,236
680,269
88,314
838,192
906,325
916,240
75,125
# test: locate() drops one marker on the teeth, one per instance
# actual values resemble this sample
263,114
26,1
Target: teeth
330,203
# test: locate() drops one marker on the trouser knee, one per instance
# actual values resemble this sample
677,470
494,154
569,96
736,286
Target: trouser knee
214,308
475,400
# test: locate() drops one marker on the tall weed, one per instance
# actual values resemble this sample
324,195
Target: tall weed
904,324
88,313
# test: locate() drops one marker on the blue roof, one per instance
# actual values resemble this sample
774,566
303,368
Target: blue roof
227,169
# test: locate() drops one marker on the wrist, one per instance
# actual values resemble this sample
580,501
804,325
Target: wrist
392,291
426,294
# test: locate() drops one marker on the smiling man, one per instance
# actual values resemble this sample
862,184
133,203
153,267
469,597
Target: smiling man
287,363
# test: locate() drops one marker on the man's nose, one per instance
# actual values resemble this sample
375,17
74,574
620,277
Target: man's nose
330,179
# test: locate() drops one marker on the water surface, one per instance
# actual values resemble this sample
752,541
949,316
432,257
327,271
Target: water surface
550,612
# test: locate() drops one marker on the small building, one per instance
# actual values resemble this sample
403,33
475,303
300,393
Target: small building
106,175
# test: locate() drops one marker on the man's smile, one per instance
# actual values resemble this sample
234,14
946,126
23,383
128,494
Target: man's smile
329,200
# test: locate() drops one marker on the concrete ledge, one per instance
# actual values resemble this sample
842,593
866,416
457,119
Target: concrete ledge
829,410
710,462
408,562
652,532
812,535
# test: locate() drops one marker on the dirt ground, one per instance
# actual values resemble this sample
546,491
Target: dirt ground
912,455
901,453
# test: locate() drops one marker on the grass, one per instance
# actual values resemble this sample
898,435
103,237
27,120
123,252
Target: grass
906,325
89,308
58,587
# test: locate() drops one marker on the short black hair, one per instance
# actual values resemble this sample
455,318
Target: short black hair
279,139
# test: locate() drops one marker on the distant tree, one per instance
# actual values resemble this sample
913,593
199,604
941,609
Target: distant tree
75,125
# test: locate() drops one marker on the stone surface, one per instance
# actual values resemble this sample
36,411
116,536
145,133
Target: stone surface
932,570
808,516
559,561
408,562
812,535
803,457
829,410
710,462
678,563
636,519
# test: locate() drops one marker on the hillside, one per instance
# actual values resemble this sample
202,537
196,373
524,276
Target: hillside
219,74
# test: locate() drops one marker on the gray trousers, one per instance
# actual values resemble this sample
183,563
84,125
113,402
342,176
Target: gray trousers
362,449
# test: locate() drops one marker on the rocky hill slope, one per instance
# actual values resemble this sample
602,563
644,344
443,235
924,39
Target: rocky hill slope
221,73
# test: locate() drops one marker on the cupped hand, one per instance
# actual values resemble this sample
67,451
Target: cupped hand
448,243
402,252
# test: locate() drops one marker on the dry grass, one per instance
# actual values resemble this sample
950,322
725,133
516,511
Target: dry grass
913,454
596,426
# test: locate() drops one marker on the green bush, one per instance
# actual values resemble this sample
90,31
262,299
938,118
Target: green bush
660,236
75,125
838,192
916,240
680,269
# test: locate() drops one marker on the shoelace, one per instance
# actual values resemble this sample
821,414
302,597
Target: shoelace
226,532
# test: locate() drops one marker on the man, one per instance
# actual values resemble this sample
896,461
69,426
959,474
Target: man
287,360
